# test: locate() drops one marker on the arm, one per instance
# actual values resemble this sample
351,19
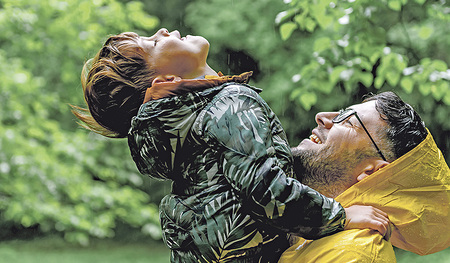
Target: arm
359,246
252,143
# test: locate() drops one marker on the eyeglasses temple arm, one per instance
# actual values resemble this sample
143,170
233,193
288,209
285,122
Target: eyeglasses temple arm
378,149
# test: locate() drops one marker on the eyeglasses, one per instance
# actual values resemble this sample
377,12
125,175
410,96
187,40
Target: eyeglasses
344,114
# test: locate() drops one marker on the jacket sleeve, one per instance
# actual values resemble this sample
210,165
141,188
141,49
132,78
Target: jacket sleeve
248,137
355,245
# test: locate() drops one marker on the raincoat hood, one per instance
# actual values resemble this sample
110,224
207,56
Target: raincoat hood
415,191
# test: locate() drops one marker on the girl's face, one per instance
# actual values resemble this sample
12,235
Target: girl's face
169,53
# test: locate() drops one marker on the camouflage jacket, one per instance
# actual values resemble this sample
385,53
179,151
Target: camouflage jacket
233,197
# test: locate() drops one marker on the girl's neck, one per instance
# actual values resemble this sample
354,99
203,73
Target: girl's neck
207,70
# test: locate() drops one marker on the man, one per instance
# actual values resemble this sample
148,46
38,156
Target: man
376,153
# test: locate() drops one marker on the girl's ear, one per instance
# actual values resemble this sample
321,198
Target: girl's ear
165,78
371,167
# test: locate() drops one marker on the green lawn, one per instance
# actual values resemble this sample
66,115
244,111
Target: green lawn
408,257
55,250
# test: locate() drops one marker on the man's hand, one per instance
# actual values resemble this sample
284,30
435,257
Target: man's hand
360,216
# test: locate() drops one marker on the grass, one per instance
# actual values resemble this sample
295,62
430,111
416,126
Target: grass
409,257
56,250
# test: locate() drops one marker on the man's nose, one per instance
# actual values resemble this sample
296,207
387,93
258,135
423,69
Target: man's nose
325,119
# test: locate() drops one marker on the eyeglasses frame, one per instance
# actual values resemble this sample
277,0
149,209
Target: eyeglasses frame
349,112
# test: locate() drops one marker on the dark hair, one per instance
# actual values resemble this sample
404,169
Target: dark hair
406,128
114,85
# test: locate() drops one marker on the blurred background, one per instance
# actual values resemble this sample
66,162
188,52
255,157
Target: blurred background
68,195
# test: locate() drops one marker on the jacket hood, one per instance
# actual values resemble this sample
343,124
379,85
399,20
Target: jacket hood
415,192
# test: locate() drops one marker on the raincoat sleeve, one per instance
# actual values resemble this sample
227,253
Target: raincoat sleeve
354,245
255,157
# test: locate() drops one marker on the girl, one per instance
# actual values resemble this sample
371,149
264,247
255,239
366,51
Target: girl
233,196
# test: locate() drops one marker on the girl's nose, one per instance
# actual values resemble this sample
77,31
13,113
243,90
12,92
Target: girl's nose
163,31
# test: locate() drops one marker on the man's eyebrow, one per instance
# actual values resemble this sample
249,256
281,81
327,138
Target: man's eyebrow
353,115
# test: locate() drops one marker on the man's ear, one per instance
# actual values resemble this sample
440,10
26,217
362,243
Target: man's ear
165,78
369,167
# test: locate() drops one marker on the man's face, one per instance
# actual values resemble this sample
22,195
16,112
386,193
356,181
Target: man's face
332,153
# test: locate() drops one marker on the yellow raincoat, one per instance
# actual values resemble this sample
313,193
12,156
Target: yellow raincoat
414,190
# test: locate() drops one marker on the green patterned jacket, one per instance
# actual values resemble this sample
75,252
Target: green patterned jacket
233,197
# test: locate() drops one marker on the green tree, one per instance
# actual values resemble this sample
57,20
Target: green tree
54,175
369,46
307,56
321,55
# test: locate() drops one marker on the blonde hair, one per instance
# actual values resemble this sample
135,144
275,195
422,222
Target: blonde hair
114,84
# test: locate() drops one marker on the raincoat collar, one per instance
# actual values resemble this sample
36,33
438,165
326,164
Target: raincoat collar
181,86
415,191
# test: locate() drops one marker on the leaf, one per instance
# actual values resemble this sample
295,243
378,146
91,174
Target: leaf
295,93
379,81
318,12
310,24
308,99
374,57
348,87
425,62
370,51
446,98
335,74
286,30
425,89
439,65
425,32
325,21
284,15
366,78
392,78
407,84
365,64
300,19
27,221
322,86
438,90
395,5
327,87
322,44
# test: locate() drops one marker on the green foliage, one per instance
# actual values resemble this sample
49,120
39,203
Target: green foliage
286,29
328,54
55,175
370,46
355,35
309,56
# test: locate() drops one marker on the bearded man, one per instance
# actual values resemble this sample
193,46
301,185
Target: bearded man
376,153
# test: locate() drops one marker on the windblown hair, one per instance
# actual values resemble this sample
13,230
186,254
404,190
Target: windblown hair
114,84
406,128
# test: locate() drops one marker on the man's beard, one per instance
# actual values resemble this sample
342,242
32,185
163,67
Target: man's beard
327,170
